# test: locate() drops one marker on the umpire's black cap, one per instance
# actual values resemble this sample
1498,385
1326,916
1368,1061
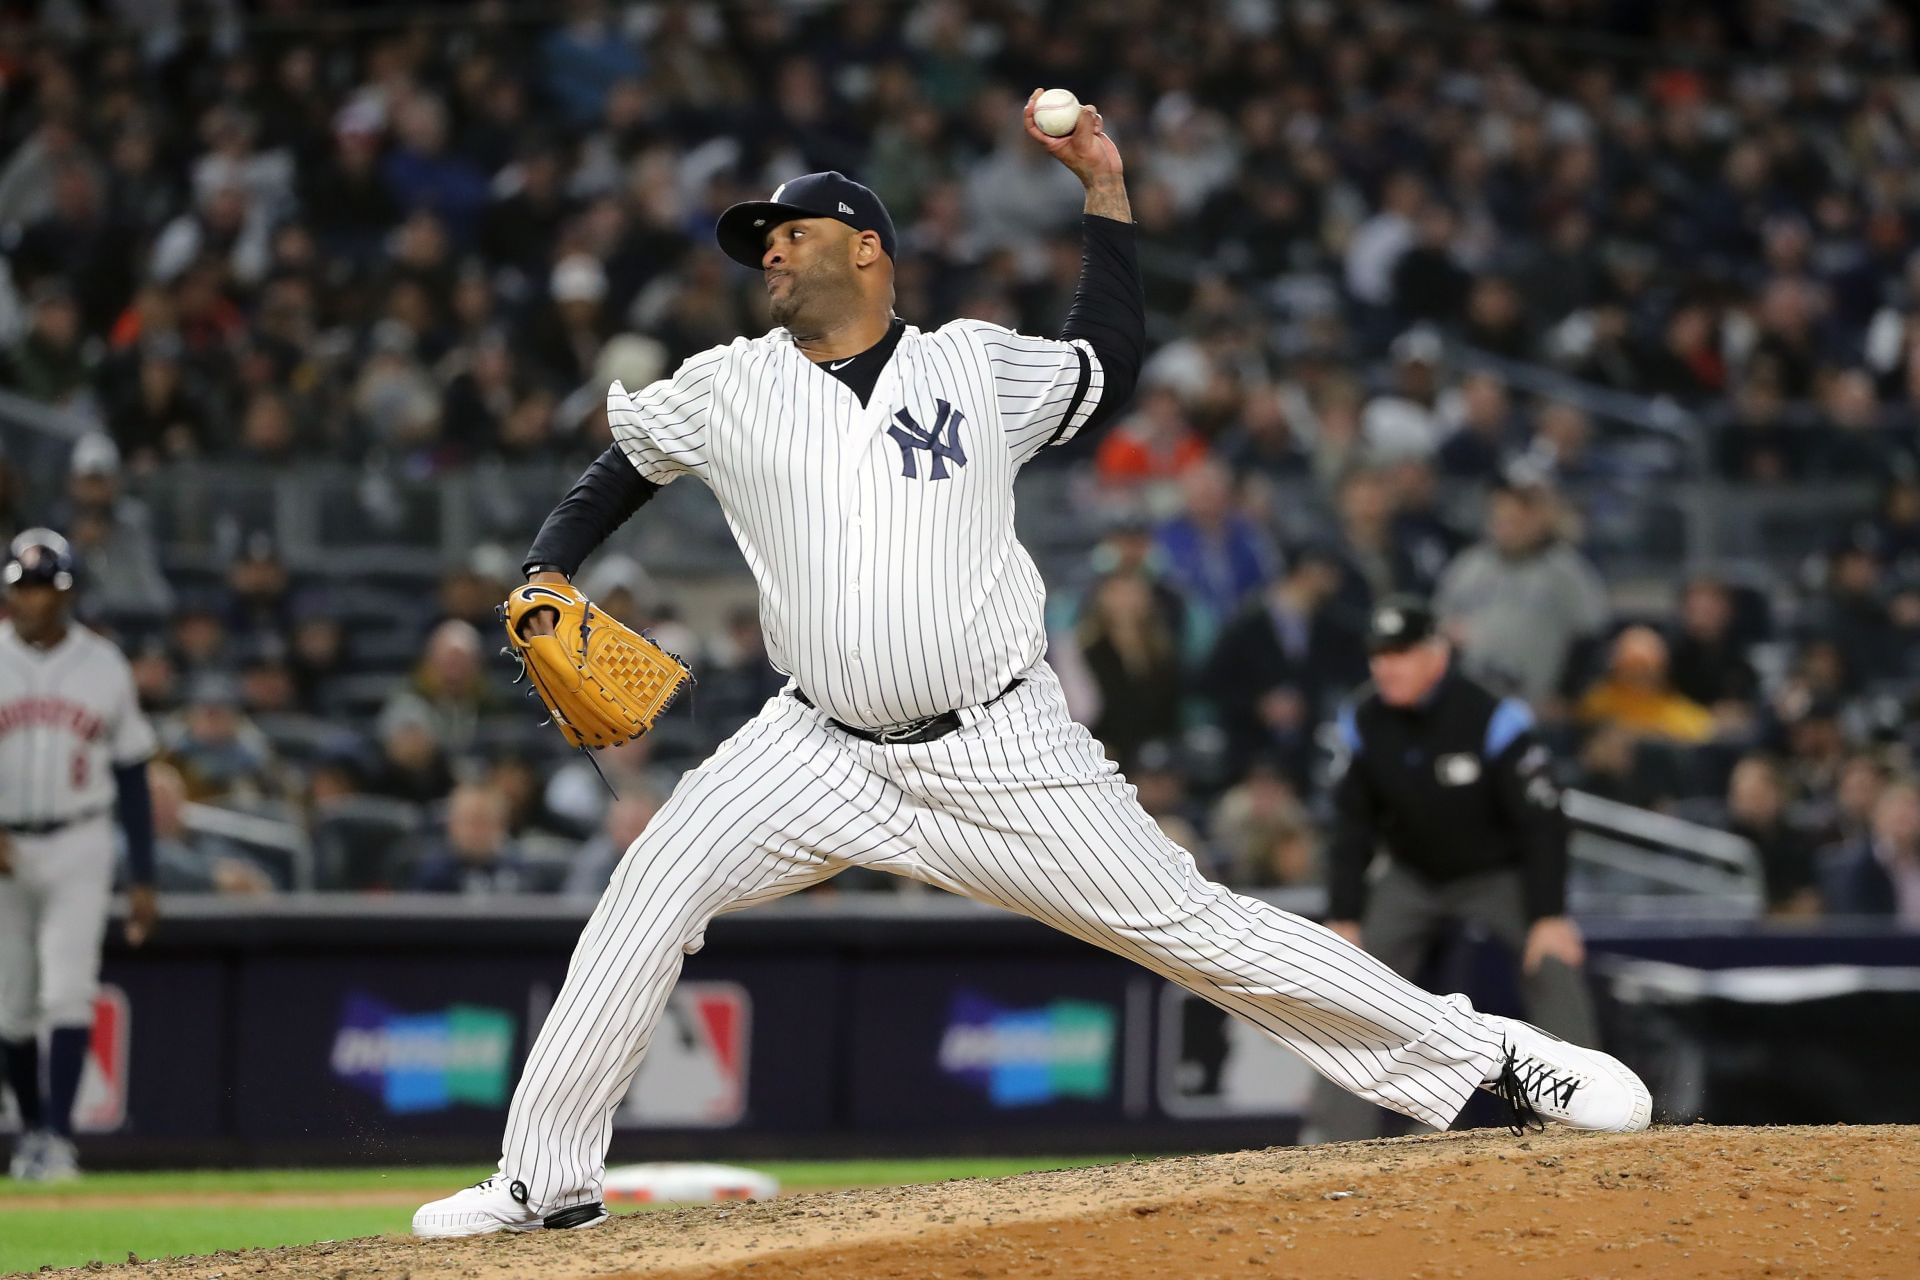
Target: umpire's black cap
1398,623
742,229
40,556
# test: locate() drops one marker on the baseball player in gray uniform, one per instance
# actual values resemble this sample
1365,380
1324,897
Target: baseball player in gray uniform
866,469
73,750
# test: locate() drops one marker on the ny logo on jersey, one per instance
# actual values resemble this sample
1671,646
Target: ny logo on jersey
910,437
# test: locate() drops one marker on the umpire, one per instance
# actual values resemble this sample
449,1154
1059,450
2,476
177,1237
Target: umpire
1450,781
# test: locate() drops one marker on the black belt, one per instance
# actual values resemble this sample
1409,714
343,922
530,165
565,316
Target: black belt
48,828
913,732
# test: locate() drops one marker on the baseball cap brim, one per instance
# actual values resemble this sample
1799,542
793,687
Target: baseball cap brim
742,229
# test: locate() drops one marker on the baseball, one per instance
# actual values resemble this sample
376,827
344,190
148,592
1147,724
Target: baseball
1057,112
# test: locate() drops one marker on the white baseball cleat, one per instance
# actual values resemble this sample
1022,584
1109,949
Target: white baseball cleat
498,1204
27,1152
1543,1077
57,1162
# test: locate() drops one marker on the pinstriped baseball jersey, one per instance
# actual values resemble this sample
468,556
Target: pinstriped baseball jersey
67,715
881,535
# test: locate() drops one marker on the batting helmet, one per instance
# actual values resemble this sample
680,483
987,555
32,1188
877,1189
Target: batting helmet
42,556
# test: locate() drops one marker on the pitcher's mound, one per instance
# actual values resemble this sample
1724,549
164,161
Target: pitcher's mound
1694,1202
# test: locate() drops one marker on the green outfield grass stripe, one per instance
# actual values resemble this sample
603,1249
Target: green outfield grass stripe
70,1238
34,1236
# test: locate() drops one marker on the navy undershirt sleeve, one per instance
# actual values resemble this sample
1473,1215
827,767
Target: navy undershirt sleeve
134,801
601,500
1109,310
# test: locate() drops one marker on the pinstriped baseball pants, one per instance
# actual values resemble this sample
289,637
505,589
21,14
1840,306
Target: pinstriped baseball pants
1018,808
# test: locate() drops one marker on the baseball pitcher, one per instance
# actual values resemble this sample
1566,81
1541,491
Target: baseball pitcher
73,752
866,469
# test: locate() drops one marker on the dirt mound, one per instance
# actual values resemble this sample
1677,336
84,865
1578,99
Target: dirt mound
1699,1202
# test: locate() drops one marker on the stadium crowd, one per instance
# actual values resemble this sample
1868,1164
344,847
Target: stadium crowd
1468,281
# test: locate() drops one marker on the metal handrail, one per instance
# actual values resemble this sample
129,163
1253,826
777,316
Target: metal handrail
252,828
1730,852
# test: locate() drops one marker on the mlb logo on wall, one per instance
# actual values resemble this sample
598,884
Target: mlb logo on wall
695,1073
101,1106
1028,1057
416,1062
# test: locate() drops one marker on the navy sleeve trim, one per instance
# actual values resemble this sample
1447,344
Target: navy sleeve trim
1079,394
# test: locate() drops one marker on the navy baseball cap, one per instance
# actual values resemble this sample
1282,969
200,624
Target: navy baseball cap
40,556
742,229
1399,622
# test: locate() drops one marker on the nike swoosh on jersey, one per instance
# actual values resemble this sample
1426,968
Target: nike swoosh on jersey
844,363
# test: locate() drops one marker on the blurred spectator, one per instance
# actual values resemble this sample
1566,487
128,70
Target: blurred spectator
1519,601
1896,528
1485,433
1846,813
53,363
579,791
738,679
449,686
1853,614
472,592
568,337
1263,833
1636,695
1282,664
1404,420
155,679
1154,442
111,533
515,779
1379,243
1214,554
1759,441
1380,557
1135,664
153,409
1429,284
1879,874
1424,537
476,856
222,756
1709,665
258,604
625,821
1610,767
317,652
186,861
413,760
1757,810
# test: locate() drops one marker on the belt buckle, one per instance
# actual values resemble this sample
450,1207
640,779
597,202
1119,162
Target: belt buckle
903,733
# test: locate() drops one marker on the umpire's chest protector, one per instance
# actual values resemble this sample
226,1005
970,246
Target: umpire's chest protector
1431,768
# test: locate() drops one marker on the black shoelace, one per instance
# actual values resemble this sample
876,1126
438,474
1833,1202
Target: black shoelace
1512,1090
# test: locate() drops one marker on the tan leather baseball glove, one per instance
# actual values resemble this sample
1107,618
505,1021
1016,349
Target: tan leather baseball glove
604,682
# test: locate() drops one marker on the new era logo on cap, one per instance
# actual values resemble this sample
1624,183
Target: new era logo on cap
742,230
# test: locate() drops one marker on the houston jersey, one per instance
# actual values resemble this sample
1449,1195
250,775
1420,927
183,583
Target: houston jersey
67,715
880,535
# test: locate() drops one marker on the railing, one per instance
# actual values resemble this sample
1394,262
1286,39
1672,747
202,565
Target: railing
279,841
1634,862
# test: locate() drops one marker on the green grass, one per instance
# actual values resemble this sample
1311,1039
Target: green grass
30,1240
33,1236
